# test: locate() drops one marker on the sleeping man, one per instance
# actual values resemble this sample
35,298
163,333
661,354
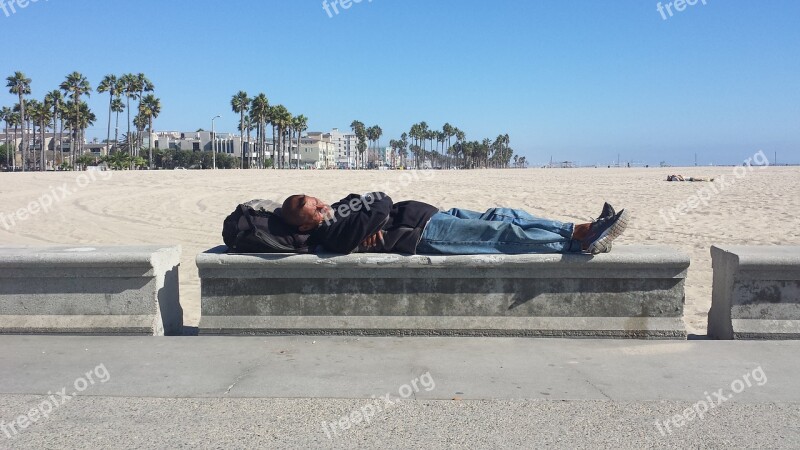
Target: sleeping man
374,223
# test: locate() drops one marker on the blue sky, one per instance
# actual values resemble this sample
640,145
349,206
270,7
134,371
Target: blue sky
576,80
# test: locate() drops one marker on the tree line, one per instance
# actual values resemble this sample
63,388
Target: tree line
446,148
64,109
256,114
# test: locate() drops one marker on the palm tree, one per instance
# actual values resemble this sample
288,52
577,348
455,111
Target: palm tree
240,103
403,148
248,126
414,134
21,85
86,118
15,120
150,108
273,118
424,135
5,116
63,114
42,115
395,145
461,138
130,87
283,120
117,107
253,149
144,85
55,100
78,123
300,124
112,85
374,134
361,134
32,111
371,138
260,110
76,85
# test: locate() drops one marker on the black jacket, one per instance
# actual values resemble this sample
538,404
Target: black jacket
357,217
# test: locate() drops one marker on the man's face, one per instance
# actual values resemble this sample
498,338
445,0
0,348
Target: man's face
313,211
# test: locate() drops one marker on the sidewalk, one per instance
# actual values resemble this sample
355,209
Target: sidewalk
245,392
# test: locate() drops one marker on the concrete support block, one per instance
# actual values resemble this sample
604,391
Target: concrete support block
90,290
756,292
635,292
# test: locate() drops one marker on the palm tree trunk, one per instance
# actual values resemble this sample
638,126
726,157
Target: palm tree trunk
31,153
249,144
116,130
55,130
5,135
23,156
274,164
108,133
150,143
128,136
241,132
61,140
14,153
42,160
79,144
22,120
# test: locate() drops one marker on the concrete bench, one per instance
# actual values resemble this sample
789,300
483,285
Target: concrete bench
633,292
90,290
756,292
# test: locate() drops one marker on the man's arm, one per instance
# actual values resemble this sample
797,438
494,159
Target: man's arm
356,218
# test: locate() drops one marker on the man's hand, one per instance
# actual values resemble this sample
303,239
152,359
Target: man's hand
374,240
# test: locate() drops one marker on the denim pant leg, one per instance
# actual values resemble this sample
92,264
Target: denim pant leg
498,230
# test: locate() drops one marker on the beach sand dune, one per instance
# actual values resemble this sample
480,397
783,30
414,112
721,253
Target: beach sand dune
760,206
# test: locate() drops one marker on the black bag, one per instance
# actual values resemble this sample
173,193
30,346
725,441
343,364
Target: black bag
253,229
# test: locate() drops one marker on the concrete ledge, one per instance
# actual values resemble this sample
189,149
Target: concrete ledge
633,292
90,290
756,292
595,327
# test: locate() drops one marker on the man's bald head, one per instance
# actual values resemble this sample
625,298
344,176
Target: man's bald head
304,212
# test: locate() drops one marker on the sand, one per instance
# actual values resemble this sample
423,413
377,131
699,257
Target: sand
759,206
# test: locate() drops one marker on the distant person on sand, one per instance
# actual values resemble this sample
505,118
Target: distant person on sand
374,223
681,178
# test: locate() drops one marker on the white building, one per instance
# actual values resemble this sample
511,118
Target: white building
317,153
346,146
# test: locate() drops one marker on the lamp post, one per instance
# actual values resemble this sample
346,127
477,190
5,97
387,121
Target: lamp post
214,142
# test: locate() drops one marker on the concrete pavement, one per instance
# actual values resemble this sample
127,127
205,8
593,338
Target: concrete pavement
247,392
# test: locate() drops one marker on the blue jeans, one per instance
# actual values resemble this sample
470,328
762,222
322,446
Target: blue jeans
498,230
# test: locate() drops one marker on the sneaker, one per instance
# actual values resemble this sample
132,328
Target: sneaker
608,212
604,231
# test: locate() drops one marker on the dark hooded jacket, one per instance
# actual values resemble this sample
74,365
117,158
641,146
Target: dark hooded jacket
357,217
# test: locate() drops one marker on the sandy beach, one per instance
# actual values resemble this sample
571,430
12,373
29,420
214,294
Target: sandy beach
756,206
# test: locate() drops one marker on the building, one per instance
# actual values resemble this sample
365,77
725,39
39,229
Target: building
56,150
346,146
316,153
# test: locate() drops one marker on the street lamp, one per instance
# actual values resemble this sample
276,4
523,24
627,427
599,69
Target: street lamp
214,142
